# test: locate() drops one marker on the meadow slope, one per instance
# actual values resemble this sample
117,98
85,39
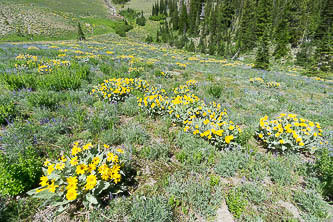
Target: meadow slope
50,100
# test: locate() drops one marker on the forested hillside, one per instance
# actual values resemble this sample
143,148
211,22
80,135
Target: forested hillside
278,29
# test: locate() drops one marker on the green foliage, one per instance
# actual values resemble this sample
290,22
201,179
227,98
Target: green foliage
324,168
194,192
135,134
194,151
155,151
262,56
120,1
231,162
151,209
236,202
215,90
149,39
157,18
19,81
129,13
141,20
80,35
20,174
280,172
44,98
12,210
312,203
122,28
8,110
254,192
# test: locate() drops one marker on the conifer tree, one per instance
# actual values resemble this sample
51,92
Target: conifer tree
263,17
183,20
246,33
262,57
282,36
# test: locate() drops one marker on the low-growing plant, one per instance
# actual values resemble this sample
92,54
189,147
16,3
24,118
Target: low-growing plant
215,90
21,174
44,98
230,162
151,209
194,151
254,192
135,134
324,169
82,176
236,202
155,151
154,102
196,193
312,203
280,172
8,110
116,90
288,132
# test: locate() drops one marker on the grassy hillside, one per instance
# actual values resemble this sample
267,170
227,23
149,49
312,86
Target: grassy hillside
50,100
76,7
52,20
114,129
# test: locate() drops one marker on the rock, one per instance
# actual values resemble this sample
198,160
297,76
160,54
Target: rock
291,209
223,214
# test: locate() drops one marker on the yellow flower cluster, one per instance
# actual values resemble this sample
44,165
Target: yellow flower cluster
212,123
185,89
290,132
26,57
164,74
273,84
209,121
25,61
48,66
259,82
115,90
154,101
82,171
181,65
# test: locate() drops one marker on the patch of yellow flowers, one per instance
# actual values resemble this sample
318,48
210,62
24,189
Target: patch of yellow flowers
289,132
208,121
259,82
154,102
84,174
118,89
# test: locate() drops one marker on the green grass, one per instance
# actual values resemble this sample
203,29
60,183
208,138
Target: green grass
76,7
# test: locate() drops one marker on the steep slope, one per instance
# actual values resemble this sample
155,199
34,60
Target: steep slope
40,20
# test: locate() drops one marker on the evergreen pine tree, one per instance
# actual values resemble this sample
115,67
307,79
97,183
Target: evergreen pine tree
246,33
221,48
263,17
183,20
323,58
212,45
262,57
282,36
